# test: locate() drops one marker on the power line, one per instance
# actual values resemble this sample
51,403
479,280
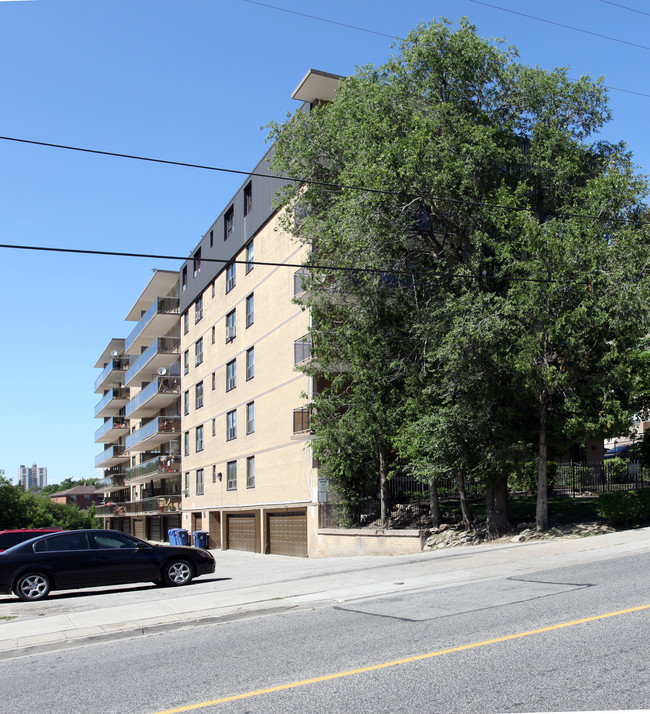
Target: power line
625,7
559,24
312,182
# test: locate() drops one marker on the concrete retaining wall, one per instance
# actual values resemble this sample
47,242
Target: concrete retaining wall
333,542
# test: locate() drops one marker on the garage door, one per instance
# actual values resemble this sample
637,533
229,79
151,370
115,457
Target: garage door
242,532
138,528
154,529
287,533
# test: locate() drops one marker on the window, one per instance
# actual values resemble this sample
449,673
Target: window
228,223
231,375
186,361
198,309
199,395
230,326
211,238
214,427
186,439
250,310
186,322
213,288
184,278
248,198
214,333
231,425
250,472
186,486
214,474
301,420
198,352
199,482
250,363
250,257
231,277
231,475
199,438
214,381
186,403
196,262
250,417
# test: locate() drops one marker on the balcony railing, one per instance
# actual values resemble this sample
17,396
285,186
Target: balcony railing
120,425
117,394
153,430
119,364
160,306
160,346
302,420
114,454
158,504
160,385
302,350
162,465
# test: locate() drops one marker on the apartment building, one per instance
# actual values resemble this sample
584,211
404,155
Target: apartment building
248,472
140,408
32,477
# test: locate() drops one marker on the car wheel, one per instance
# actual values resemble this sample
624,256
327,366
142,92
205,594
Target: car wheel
32,586
177,572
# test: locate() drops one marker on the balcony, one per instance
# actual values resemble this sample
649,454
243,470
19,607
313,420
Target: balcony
157,431
111,481
157,321
112,456
159,354
302,420
111,430
112,373
162,392
302,350
166,503
111,403
159,467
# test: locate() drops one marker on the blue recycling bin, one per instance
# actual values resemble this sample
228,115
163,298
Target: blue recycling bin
172,536
200,539
182,537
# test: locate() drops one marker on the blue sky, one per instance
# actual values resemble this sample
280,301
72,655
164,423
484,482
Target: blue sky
190,81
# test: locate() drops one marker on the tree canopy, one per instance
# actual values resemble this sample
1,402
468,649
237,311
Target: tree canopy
488,292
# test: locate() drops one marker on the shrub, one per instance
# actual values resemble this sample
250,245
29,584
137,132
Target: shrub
625,508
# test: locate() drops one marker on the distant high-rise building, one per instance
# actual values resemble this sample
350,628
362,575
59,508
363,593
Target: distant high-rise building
32,477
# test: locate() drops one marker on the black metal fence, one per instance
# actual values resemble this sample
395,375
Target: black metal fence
577,478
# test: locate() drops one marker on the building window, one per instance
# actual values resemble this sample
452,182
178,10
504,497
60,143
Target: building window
231,375
186,439
228,223
231,277
199,395
250,310
214,381
186,322
214,427
186,361
248,198
196,262
231,425
250,257
301,420
250,363
302,349
198,309
186,403
186,485
230,326
199,482
250,472
213,288
199,438
211,238
198,352
214,474
231,476
214,333
184,278
250,417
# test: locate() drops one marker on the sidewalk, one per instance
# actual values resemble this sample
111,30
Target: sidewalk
249,584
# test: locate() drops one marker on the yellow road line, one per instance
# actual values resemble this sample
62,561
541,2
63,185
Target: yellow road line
396,662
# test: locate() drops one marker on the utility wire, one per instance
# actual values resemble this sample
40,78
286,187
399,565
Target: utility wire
325,184
625,7
559,24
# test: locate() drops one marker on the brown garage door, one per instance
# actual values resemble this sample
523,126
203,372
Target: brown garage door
138,528
242,532
287,533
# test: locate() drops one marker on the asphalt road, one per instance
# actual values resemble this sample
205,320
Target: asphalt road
568,639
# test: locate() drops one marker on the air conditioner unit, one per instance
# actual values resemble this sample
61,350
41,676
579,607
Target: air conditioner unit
230,332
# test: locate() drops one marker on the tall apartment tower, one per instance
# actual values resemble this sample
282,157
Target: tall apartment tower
32,477
140,408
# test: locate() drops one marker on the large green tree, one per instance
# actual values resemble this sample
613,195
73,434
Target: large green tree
469,179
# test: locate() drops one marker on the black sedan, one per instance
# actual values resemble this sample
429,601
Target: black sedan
94,558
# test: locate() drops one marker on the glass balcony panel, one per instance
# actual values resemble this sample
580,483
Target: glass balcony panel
160,306
162,348
157,504
115,367
111,429
158,466
156,431
301,420
302,350
168,388
112,402
115,454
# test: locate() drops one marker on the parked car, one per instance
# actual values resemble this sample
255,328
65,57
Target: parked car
9,538
94,558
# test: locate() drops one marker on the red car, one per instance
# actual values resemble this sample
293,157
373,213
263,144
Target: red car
10,538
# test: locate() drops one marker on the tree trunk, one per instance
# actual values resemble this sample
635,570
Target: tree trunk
383,489
501,520
541,515
464,507
434,503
